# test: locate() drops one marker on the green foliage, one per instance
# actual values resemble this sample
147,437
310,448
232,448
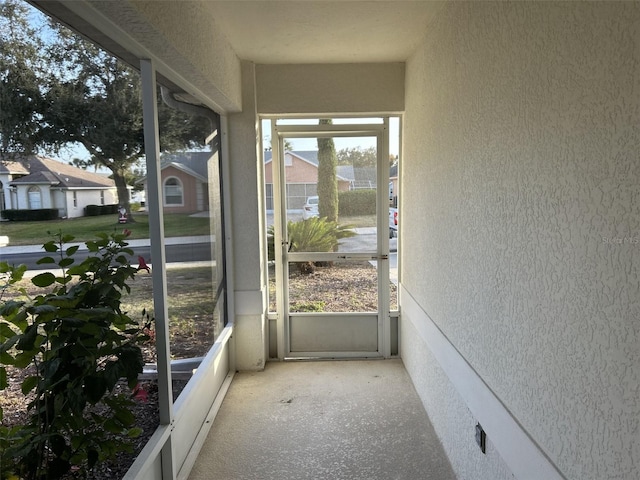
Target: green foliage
358,202
316,235
78,343
309,306
84,228
21,97
95,210
56,89
96,100
312,235
35,215
327,177
358,157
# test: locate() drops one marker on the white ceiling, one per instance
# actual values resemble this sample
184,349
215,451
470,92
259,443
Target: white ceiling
323,31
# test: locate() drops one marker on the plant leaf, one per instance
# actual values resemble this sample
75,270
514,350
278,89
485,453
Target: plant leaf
125,417
67,237
65,262
28,338
50,247
29,384
5,331
94,387
44,279
45,260
5,358
23,359
134,432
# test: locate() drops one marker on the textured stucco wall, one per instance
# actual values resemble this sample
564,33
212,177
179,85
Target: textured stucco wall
521,214
184,38
246,207
455,422
334,88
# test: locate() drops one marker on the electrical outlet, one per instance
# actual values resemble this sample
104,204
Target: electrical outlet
481,438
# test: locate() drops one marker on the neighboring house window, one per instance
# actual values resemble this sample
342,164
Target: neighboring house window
101,197
173,191
288,160
75,199
35,198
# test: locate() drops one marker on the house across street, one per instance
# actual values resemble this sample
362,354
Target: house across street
35,182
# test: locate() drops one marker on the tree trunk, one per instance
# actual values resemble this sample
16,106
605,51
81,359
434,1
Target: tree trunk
123,193
327,178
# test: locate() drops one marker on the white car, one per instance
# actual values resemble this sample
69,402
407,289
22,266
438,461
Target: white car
310,208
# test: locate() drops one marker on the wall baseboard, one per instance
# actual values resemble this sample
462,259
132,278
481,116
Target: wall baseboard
519,451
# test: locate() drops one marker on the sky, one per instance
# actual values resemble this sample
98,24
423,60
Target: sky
341,143
78,151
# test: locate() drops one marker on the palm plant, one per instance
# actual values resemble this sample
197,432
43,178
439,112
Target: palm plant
312,235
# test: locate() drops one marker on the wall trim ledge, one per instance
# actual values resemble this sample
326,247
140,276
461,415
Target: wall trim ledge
520,452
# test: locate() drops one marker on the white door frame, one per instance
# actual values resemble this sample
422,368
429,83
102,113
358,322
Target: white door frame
282,256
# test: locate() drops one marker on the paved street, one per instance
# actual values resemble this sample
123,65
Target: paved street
199,249
365,241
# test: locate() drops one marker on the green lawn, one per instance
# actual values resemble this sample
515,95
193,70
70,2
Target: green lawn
85,228
358,221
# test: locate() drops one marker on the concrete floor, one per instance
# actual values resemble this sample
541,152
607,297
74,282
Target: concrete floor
323,420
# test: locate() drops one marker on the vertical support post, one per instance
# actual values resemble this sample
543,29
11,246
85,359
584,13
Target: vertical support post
280,236
228,229
383,239
156,233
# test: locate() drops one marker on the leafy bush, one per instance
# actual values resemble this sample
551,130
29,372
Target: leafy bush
79,344
316,235
311,235
95,210
92,210
109,209
357,202
36,215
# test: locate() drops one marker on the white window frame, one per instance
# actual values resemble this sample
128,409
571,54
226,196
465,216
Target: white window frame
164,192
37,190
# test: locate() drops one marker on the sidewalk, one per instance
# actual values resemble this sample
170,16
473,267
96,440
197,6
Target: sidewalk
143,242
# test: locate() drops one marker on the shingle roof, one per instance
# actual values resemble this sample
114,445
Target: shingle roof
52,172
13,168
195,162
361,176
344,172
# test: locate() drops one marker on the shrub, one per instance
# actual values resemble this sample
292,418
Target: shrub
79,344
95,210
357,202
311,235
36,215
109,209
92,210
